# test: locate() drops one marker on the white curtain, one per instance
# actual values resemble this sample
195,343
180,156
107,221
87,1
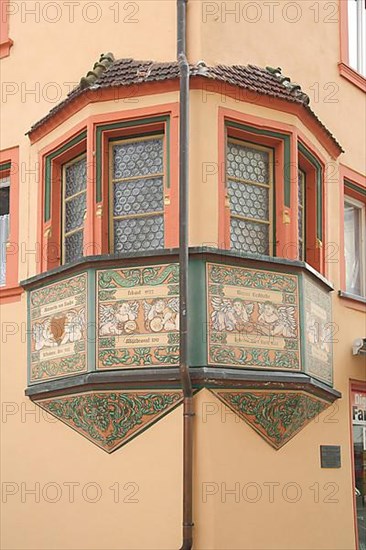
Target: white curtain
4,233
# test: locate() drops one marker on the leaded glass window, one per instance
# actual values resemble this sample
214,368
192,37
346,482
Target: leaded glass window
74,209
301,214
4,225
137,196
249,188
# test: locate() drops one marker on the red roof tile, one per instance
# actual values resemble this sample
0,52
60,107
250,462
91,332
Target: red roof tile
127,72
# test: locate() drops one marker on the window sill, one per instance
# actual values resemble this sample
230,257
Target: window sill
357,302
10,294
5,48
352,76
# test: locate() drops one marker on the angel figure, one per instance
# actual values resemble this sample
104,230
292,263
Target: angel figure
222,314
118,319
230,315
240,314
326,337
277,321
42,335
74,326
162,315
312,330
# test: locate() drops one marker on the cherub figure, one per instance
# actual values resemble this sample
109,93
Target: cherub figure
74,326
42,335
277,321
240,314
118,319
221,317
162,314
230,315
312,330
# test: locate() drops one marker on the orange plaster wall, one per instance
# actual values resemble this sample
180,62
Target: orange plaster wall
307,49
37,450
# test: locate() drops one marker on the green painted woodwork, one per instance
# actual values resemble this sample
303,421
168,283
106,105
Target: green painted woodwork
287,155
121,125
5,166
48,171
133,343
350,185
319,189
197,306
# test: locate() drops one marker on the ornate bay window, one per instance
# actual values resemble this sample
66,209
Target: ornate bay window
111,327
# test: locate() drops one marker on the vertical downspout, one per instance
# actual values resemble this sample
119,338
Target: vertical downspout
183,277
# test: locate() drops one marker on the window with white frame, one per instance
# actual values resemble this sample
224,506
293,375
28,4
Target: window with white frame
355,246
4,225
357,35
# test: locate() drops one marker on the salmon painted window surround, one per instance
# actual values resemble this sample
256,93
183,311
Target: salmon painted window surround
55,202
142,151
5,42
275,199
74,191
352,65
136,193
90,178
249,187
302,210
9,188
353,234
312,208
276,147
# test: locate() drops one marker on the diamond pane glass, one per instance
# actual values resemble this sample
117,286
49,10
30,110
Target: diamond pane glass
139,158
248,200
74,246
75,177
74,212
138,196
247,163
139,234
249,237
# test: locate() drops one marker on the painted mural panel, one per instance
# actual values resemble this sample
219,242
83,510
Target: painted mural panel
277,416
138,317
58,314
112,418
253,318
319,331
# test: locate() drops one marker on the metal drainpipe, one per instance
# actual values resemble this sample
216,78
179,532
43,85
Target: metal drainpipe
188,412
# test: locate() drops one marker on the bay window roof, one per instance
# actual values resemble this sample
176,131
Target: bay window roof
109,73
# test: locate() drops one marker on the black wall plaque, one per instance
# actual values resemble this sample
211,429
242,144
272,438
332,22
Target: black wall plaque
330,456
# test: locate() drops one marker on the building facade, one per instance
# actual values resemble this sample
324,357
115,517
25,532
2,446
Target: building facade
92,426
